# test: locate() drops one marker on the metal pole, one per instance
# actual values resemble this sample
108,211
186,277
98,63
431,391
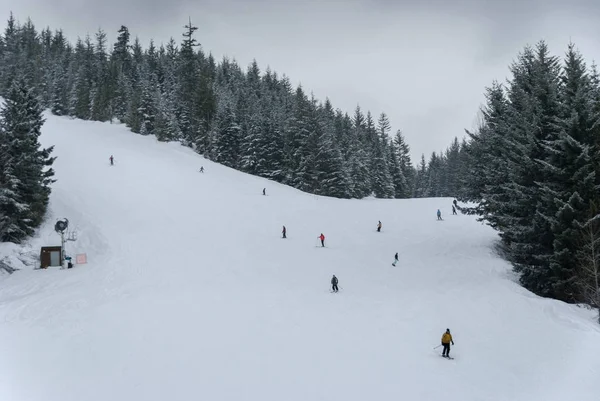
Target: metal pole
62,246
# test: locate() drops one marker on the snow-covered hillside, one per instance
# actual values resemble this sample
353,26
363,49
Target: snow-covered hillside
190,293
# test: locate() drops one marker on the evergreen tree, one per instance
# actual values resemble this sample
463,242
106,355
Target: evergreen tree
401,189
572,167
408,172
421,181
225,136
26,175
382,181
331,176
102,90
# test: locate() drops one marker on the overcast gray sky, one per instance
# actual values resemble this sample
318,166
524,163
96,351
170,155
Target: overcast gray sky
425,63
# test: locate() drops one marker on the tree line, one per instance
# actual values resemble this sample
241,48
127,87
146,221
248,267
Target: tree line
532,172
251,120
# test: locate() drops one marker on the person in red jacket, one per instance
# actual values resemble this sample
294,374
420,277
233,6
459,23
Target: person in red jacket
322,238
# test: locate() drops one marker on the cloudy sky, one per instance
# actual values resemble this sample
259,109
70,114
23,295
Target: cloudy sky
425,63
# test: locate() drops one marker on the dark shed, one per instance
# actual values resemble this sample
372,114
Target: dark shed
50,256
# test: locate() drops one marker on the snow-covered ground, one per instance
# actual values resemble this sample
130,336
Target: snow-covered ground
190,293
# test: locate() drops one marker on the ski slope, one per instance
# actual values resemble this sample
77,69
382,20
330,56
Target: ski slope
190,293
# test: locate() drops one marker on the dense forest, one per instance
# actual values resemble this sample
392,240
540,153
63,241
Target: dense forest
250,120
534,172
530,171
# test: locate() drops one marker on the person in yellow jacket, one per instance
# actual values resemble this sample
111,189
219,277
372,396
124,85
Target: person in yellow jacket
446,340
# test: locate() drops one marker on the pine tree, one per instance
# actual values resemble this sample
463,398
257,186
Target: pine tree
421,179
358,159
26,174
188,74
102,89
300,144
10,54
225,137
382,183
120,75
571,165
81,91
331,176
534,111
406,167
452,169
401,189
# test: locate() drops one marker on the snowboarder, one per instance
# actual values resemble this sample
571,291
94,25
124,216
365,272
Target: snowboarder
202,169
446,340
112,160
334,283
439,215
322,238
379,226
454,210
264,191
283,232
395,259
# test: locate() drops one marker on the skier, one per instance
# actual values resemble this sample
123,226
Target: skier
334,283
202,169
395,259
454,210
379,226
446,340
264,191
322,238
439,215
283,232
111,158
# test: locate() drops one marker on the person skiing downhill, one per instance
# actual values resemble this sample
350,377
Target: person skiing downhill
446,340
379,226
334,283
454,210
112,160
395,259
322,238
284,232
439,214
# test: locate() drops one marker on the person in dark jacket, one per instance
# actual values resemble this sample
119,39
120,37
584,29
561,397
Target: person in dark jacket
439,215
455,202
334,283
454,210
379,227
264,191
395,259
446,340
201,169
112,160
283,232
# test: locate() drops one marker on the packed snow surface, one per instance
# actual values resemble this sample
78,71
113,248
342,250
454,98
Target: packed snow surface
190,293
